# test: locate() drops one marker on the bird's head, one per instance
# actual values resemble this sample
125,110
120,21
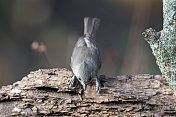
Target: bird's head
84,82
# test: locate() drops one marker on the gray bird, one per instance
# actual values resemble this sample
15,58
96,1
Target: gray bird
86,59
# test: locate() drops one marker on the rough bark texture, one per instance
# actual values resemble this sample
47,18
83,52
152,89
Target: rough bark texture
45,93
163,43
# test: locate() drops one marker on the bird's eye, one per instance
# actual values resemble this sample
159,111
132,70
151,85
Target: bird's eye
79,78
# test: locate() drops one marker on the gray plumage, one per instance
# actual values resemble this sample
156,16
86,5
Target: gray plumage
86,59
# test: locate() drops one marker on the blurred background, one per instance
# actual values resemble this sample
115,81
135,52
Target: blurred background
37,34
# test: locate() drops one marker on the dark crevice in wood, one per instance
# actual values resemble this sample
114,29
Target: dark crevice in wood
52,73
47,89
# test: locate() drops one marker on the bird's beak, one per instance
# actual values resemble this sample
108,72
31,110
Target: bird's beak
84,86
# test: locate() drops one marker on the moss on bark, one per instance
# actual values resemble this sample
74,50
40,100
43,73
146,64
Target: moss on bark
163,43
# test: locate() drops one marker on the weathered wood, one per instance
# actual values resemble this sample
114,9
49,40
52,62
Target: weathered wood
45,92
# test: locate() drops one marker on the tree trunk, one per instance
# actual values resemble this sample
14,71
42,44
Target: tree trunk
45,93
163,43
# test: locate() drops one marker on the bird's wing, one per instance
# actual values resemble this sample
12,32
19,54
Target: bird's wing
79,44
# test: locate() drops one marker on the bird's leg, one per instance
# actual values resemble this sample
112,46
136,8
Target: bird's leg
72,80
98,85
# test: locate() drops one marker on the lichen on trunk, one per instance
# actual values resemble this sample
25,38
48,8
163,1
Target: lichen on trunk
163,43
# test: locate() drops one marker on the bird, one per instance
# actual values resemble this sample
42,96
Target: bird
86,59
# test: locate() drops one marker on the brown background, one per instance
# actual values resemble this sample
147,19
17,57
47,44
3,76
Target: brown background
58,24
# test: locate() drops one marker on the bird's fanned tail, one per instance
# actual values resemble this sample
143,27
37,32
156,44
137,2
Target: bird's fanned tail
90,26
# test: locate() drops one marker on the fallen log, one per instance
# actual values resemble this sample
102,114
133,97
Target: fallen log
46,93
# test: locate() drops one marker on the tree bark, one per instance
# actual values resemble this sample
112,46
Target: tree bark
163,43
45,93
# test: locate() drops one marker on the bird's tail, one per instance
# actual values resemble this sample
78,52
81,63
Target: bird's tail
90,26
